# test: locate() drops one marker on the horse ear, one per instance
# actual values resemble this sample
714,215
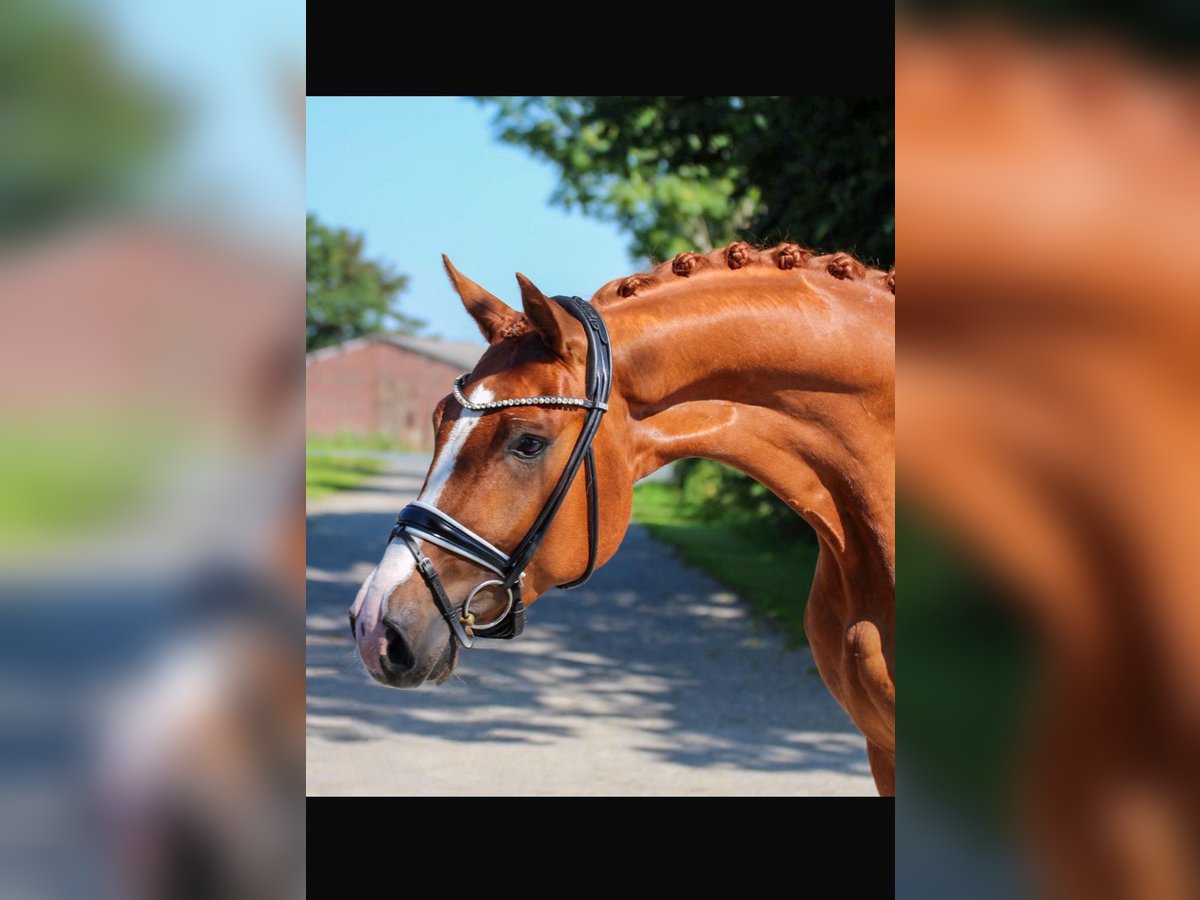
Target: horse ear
559,331
490,313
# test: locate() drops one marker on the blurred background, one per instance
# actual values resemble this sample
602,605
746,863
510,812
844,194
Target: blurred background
1047,173
151,412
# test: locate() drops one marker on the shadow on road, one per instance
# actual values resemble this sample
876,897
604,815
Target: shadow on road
647,645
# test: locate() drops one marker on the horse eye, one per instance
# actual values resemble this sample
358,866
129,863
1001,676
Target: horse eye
528,446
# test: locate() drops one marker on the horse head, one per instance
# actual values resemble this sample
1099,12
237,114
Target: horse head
493,471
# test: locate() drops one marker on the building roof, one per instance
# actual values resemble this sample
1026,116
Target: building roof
461,354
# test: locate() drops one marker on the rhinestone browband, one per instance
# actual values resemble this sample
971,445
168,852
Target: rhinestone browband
520,401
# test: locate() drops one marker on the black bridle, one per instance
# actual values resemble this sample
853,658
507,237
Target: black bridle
421,520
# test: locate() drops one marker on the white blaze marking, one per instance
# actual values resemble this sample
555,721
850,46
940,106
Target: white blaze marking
398,565
443,465
393,570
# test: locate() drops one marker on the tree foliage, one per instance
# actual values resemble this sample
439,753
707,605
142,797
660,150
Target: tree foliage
713,492
693,173
347,295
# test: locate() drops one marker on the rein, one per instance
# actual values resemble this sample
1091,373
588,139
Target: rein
425,521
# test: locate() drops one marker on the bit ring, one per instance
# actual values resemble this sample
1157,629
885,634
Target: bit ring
468,618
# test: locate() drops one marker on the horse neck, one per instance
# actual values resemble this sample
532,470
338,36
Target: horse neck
788,377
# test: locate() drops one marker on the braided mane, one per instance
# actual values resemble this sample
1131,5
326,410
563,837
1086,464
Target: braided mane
741,255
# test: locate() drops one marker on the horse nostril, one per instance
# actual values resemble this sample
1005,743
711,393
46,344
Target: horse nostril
353,636
400,658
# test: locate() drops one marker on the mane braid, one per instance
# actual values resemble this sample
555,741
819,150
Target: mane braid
742,255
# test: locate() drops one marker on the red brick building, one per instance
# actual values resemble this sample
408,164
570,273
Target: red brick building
384,384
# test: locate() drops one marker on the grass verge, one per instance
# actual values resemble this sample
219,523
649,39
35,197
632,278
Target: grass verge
773,572
326,474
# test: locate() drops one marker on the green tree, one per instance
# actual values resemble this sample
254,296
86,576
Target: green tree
347,295
693,173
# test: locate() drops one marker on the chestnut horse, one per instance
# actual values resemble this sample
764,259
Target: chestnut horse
777,362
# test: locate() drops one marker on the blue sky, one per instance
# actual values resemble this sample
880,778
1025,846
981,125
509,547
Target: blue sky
235,69
423,176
